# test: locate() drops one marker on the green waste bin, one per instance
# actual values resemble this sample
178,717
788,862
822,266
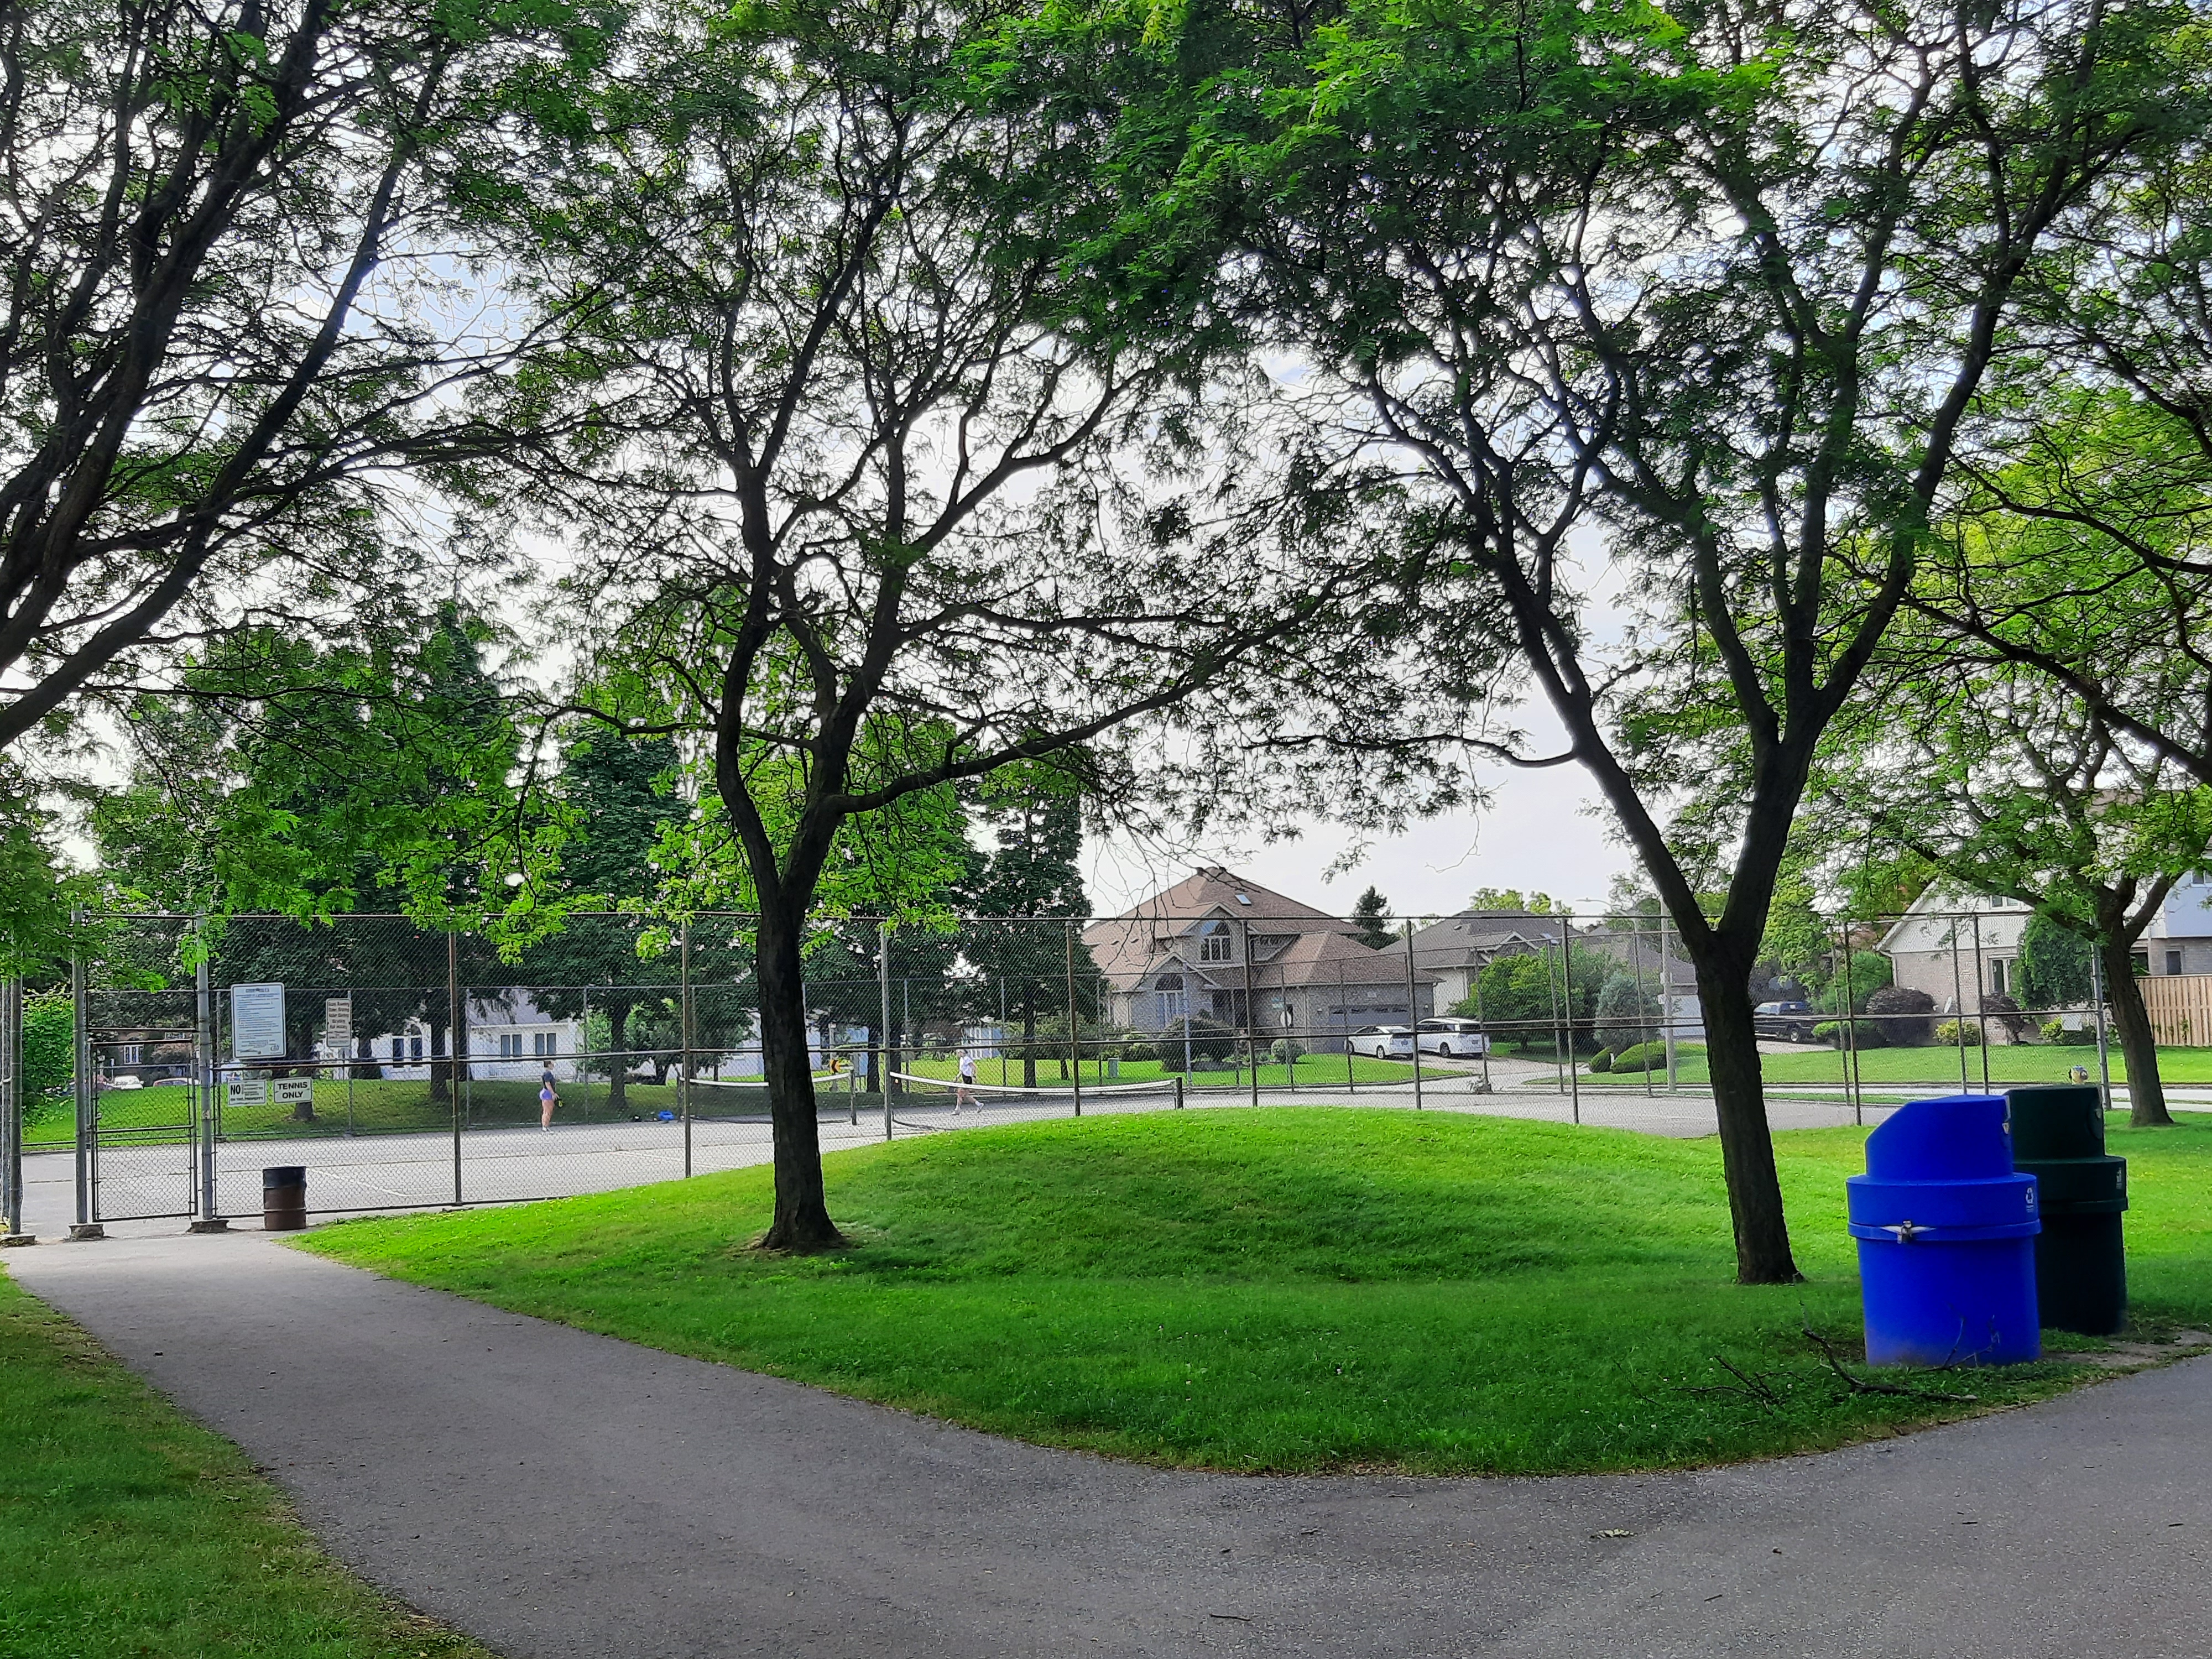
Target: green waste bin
2080,1265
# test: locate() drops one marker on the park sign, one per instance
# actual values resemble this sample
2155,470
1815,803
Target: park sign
257,1021
337,1020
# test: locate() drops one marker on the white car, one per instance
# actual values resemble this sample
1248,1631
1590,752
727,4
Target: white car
1455,1039
1383,1041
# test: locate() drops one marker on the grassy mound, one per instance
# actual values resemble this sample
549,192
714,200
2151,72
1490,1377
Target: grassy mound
1280,1290
125,1530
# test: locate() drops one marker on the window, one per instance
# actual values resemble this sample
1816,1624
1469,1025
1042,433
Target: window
510,1048
541,1044
1997,977
415,1045
2173,962
1213,943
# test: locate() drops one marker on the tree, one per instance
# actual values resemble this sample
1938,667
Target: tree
1627,1014
867,408
1527,999
1569,265
616,792
1035,823
218,222
311,780
1370,921
2055,965
1510,898
2011,788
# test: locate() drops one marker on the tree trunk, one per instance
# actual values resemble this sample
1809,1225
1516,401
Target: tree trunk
1762,1237
801,1222
617,1058
1029,1045
2138,1043
442,1063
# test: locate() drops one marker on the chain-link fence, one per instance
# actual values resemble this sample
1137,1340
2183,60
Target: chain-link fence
406,1067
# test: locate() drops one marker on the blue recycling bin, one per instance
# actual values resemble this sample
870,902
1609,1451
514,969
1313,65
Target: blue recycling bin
1947,1232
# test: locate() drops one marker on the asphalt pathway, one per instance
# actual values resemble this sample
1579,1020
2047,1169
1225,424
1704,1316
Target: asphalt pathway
563,1494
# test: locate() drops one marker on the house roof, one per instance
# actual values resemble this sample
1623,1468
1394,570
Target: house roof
1474,937
1936,920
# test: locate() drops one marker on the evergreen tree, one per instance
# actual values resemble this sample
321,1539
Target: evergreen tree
2055,966
1371,918
1030,872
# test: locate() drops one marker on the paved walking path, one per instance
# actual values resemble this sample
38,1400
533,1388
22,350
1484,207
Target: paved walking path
563,1494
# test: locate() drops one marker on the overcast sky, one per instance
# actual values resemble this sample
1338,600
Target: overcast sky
1535,834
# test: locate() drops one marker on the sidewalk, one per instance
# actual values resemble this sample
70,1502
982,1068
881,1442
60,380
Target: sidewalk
563,1494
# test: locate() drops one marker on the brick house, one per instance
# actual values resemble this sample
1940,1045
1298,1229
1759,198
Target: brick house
1222,948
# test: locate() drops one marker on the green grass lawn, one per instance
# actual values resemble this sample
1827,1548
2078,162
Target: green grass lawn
126,1531
1290,1289
2029,1062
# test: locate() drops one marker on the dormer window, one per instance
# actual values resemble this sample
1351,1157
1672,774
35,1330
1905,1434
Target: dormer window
1214,942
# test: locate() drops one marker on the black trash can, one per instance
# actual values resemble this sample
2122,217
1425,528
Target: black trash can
2080,1261
284,1198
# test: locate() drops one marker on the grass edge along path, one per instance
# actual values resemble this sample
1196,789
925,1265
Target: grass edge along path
1295,1290
127,1530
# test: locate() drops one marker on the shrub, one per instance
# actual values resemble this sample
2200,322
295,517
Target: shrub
2059,1032
1958,1034
1140,1050
1833,1031
1204,1063
1602,1061
1285,1051
1903,1014
1644,1057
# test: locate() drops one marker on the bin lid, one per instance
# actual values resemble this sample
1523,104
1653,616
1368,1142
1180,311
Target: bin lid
1950,1137
2060,1120
285,1174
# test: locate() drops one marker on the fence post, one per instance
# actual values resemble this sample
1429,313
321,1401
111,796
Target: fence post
683,1036
211,1218
883,1031
1251,1014
1567,990
1958,1004
1667,998
1074,1021
1344,1024
11,1112
1981,1002
1851,1049
453,1049
1552,989
1475,984
85,1091
1413,1014
2103,1050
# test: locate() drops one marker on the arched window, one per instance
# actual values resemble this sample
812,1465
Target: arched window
1214,944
